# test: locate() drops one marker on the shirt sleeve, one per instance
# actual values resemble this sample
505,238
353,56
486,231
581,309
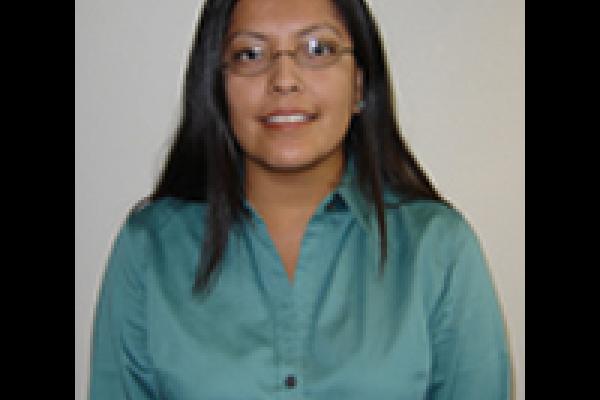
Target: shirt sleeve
470,359
120,365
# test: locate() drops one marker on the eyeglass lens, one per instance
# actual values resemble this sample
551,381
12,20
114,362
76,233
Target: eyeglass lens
250,55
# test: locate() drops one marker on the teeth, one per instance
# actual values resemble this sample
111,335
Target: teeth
280,119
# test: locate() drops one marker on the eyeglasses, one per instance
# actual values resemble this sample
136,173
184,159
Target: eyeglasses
252,57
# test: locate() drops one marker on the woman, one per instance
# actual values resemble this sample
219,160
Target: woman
293,247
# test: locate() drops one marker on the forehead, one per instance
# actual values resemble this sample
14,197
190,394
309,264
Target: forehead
285,18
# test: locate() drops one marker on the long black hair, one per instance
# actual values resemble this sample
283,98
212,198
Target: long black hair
205,160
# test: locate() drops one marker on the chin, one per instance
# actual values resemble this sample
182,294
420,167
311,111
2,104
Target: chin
288,164
292,163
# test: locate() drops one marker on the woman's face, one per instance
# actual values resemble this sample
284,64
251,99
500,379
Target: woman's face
289,116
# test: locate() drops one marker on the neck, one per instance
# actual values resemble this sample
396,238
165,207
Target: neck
291,192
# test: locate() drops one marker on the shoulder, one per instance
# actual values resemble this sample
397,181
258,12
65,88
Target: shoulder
155,215
149,226
425,217
150,223
432,216
432,231
443,245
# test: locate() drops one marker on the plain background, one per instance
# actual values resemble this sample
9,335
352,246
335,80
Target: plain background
458,73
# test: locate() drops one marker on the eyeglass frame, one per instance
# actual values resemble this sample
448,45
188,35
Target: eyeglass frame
293,54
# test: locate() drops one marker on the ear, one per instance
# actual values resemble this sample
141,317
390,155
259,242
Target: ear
358,91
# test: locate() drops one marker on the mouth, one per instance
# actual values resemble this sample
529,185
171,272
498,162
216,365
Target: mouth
287,119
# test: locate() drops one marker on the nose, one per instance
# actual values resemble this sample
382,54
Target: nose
284,75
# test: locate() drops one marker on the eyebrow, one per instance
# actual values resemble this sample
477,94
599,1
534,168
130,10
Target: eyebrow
299,33
313,27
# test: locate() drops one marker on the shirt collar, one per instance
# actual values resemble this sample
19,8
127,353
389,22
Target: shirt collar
347,196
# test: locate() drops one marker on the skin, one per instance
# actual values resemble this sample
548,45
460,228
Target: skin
289,172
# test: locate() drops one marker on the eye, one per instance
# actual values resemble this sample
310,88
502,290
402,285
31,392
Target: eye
320,48
248,54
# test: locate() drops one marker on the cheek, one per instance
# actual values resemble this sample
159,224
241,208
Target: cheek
242,100
336,99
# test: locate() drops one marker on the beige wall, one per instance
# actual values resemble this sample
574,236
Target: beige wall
458,71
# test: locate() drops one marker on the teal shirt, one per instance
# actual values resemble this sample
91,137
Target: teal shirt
429,328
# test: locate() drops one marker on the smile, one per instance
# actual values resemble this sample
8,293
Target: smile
289,119
281,119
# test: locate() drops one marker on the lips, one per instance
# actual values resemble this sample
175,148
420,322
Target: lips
283,118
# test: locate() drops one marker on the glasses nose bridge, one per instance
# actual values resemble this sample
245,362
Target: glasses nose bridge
283,79
278,53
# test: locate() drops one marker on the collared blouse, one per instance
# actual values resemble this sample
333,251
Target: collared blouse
430,327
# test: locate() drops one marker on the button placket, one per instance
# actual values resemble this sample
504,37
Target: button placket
287,342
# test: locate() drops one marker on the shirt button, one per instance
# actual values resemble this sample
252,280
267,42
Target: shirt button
290,381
